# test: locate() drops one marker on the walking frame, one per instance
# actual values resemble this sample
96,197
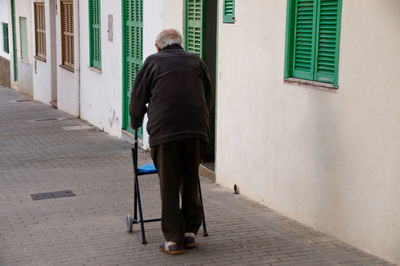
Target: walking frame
148,169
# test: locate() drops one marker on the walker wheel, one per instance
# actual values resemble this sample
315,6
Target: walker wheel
129,223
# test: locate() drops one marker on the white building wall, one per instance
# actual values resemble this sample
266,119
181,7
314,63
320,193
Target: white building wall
172,16
44,74
4,18
101,91
152,25
326,158
23,8
68,82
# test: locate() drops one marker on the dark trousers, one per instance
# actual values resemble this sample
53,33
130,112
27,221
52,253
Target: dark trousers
178,164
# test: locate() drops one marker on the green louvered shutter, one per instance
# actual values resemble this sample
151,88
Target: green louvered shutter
314,37
133,50
328,29
134,40
24,38
95,33
194,27
5,38
303,45
229,11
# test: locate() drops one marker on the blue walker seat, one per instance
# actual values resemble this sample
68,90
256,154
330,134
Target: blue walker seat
147,168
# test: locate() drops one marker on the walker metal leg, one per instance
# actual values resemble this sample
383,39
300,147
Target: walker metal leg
202,212
134,159
144,241
136,202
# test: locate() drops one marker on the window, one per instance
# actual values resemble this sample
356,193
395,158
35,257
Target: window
194,25
67,34
40,31
6,47
95,33
229,11
23,38
312,40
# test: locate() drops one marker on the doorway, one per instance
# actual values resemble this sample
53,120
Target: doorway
200,34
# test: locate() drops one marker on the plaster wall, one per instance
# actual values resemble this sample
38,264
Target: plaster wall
23,8
101,90
67,81
4,72
4,18
25,78
152,25
172,16
326,158
44,77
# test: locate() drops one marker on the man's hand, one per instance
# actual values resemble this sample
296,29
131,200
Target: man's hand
130,125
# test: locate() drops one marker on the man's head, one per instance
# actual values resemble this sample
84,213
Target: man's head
168,37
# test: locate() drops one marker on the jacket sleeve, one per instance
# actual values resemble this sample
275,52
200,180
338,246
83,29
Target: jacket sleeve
208,87
139,97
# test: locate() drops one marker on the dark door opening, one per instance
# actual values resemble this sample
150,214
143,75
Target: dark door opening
210,58
200,32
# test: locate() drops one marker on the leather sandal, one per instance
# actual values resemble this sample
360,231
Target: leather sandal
189,241
171,248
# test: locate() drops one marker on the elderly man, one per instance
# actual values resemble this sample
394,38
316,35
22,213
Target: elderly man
177,88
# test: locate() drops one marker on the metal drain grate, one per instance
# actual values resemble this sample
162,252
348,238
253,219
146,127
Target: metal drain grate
23,100
47,119
53,195
75,128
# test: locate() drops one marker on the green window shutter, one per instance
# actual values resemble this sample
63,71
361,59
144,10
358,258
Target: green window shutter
313,36
134,40
194,27
328,31
303,44
229,11
95,33
5,38
133,50
23,38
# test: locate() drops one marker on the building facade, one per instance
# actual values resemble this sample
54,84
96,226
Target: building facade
4,44
307,102
112,55
68,56
86,56
306,108
45,51
21,54
306,114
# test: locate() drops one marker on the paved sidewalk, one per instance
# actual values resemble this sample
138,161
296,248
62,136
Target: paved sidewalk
43,149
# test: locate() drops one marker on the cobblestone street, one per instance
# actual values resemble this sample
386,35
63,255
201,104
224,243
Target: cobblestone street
43,150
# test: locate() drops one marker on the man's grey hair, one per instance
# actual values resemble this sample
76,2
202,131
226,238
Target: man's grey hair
168,37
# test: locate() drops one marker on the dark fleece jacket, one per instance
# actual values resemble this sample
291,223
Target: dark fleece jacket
178,89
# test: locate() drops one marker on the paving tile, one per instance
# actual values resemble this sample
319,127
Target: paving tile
38,154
